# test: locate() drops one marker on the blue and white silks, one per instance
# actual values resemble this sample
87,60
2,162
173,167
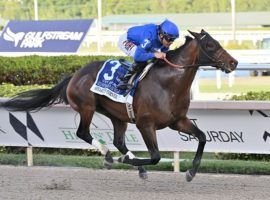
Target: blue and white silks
108,79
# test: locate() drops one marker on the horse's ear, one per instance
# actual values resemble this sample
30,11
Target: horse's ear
196,35
203,31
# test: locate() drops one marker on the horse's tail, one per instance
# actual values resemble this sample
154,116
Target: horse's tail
34,100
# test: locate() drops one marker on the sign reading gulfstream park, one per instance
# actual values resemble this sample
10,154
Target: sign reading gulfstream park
44,36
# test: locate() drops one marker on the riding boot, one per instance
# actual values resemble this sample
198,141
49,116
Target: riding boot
136,66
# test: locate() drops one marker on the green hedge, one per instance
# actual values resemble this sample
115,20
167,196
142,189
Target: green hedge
30,70
243,156
259,96
10,90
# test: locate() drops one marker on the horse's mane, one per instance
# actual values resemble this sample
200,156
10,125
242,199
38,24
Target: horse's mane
179,49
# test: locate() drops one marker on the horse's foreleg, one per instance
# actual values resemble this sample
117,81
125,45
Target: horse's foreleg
83,132
148,132
186,126
119,142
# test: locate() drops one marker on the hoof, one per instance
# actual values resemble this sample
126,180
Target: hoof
108,161
189,176
107,164
143,175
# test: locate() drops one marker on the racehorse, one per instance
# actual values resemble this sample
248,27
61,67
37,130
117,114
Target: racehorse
161,100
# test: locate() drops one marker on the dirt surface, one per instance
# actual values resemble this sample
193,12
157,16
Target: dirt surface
80,184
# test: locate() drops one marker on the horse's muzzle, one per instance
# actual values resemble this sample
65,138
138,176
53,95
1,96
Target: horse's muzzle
231,66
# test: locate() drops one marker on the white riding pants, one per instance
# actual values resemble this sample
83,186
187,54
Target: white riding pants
126,46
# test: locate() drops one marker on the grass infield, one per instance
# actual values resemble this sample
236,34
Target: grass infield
241,85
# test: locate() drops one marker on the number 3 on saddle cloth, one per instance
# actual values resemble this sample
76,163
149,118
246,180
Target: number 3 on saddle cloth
109,76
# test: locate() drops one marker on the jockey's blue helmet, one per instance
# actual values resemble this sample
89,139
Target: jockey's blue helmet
169,30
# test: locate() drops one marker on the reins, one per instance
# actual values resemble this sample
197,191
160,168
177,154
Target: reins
218,64
186,66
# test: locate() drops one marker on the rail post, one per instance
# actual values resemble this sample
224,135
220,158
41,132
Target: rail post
29,155
176,164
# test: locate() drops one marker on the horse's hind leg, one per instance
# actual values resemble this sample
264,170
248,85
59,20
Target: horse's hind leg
186,126
119,142
83,132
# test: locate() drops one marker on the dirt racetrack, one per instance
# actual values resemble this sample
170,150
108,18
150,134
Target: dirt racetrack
59,183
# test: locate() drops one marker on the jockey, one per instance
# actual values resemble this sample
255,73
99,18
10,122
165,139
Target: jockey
145,42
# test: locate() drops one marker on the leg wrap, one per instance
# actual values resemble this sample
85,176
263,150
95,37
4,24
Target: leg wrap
130,155
102,148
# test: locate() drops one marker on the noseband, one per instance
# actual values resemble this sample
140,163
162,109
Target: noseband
219,64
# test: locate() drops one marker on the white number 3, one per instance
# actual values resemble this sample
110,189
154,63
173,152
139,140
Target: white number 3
145,43
113,70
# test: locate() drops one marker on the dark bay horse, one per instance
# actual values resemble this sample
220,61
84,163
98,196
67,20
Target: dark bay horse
161,100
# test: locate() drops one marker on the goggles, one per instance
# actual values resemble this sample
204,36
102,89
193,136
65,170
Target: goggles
169,38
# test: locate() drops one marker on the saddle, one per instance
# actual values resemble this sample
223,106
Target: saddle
108,78
126,64
140,74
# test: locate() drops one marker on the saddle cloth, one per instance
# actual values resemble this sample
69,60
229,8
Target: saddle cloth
108,79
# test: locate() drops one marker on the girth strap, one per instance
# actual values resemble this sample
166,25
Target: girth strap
129,106
130,112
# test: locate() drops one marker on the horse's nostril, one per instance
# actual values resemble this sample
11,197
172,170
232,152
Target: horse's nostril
233,63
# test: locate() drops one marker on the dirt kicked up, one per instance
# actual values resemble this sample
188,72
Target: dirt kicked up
57,183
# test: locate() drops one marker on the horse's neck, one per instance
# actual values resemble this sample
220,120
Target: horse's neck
178,81
188,56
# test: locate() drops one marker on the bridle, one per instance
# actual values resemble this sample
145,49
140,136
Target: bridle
219,64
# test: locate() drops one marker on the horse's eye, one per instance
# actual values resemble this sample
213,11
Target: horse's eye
210,46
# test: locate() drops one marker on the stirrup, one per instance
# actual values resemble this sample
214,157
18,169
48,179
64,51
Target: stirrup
124,78
124,86
127,90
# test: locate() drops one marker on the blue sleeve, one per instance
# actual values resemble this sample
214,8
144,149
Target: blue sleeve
164,49
141,55
143,51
